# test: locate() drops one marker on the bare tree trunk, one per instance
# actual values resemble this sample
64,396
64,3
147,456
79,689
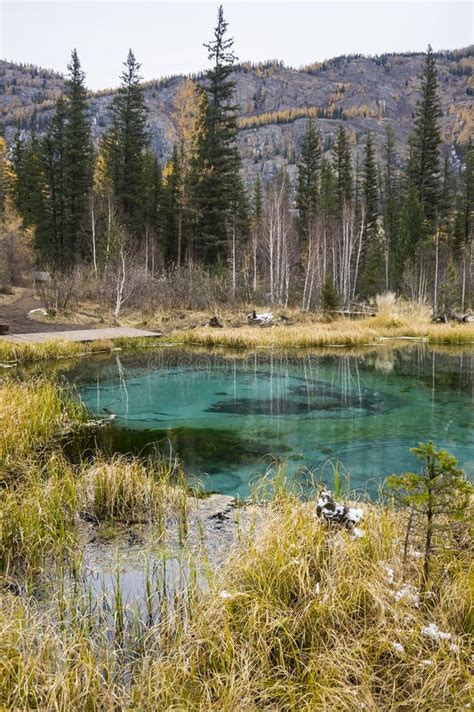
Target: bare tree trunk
93,233
121,278
271,260
146,250
180,239
435,293
109,232
234,267
360,245
254,250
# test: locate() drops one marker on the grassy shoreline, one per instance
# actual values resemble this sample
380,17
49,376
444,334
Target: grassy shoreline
339,334
304,616
342,333
11,353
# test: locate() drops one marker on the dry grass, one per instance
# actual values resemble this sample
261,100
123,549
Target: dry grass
12,296
11,353
343,332
128,490
37,518
32,415
305,618
43,494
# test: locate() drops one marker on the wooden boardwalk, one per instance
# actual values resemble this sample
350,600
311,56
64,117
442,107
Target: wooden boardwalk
114,332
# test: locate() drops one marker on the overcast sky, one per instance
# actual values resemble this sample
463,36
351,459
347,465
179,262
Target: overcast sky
167,37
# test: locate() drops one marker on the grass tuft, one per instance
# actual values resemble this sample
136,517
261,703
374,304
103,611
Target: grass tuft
129,490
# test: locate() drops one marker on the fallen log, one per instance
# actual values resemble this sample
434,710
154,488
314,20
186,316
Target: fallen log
351,312
262,319
445,317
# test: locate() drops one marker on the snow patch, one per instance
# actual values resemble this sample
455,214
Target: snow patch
432,631
407,593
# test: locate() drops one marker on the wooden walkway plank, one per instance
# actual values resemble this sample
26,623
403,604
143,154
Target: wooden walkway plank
114,332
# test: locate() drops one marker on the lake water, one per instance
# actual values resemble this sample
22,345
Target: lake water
228,417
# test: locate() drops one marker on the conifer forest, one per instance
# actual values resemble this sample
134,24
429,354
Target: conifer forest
353,222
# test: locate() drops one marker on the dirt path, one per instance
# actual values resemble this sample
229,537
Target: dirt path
15,314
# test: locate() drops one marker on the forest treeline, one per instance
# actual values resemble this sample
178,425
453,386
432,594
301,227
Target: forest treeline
346,230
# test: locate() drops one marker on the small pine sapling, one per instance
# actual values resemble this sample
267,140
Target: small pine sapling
329,295
439,494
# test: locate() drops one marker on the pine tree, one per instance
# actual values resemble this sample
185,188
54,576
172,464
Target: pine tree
309,177
425,139
371,274
126,143
219,196
77,162
437,496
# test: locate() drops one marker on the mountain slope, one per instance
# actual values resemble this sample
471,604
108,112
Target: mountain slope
365,93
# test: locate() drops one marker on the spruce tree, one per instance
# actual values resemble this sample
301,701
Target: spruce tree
171,209
329,295
425,140
153,199
219,196
412,226
343,168
391,207
126,143
51,243
257,203
464,219
29,188
371,269
77,162
464,226
309,177
328,192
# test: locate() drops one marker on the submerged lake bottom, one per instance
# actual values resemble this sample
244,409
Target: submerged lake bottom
229,418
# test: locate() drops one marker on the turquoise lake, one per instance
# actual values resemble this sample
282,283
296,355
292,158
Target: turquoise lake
228,418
